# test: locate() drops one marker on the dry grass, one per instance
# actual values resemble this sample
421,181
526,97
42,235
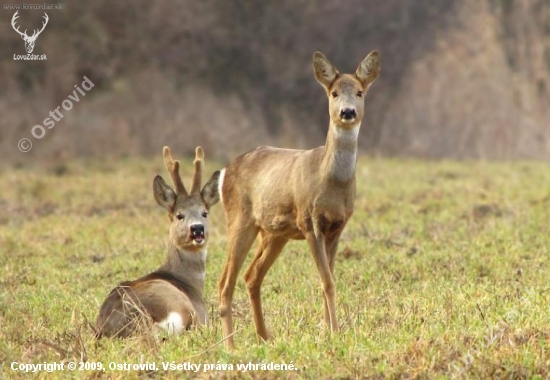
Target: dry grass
436,257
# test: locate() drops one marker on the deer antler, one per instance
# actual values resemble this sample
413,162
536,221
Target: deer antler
197,176
173,167
15,17
35,34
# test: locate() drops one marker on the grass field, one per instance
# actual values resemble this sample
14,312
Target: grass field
443,269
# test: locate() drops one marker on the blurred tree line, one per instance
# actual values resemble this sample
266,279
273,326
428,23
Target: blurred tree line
460,79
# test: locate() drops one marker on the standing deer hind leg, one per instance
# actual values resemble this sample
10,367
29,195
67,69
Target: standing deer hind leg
268,251
240,239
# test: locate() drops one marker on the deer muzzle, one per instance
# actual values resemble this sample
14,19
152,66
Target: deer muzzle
197,233
348,114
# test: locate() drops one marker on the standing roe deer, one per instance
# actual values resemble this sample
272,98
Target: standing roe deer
287,194
171,296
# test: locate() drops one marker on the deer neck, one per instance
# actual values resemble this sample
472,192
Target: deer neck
188,267
340,154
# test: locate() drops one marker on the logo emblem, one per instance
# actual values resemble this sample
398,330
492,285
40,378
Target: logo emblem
29,40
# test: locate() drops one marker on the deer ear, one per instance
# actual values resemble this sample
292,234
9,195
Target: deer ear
324,72
210,193
164,195
369,69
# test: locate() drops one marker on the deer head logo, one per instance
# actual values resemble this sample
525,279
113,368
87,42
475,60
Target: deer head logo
29,40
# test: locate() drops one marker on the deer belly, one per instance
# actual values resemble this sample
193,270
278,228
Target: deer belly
283,225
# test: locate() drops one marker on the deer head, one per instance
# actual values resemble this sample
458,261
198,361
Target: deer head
29,40
188,211
346,92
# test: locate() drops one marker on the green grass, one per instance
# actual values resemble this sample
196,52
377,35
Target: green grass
436,258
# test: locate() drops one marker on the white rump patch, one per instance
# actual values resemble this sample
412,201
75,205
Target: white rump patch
173,324
220,184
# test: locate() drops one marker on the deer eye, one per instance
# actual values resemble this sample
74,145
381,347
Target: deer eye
360,94
180,216
334,94
205,214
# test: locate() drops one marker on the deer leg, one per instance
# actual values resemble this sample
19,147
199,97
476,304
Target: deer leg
239,242
317,246
331,247
268,251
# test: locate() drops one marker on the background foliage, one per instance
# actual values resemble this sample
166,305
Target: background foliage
460,78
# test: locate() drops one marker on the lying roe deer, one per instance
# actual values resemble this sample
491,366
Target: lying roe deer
287,194
172,296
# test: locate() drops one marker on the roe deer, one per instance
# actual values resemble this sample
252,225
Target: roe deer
172,296
284,194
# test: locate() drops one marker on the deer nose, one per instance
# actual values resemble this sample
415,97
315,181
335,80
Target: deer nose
197,229
197,233
348,114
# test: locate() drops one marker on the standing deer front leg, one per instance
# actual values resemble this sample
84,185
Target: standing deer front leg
331,244
316,242
268,251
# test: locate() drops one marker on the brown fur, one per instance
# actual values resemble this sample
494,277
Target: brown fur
177,286
284,194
